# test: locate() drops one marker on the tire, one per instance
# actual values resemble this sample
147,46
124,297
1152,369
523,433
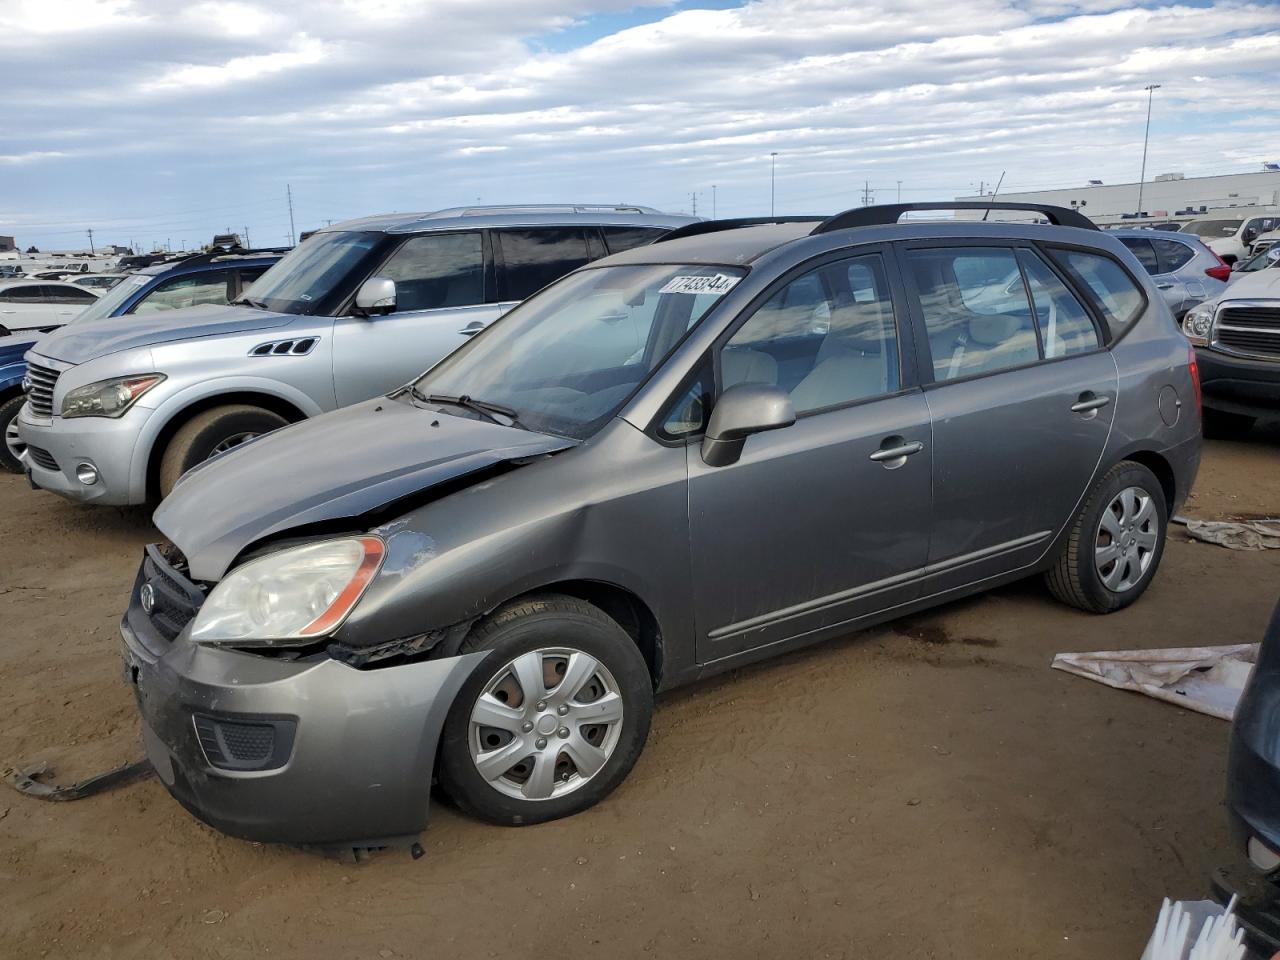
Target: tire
1219,425
203,435
545,784
1079,577
8,414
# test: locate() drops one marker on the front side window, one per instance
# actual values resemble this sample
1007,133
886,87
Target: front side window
437,270
827,337
189,291
1118,298
1065,326
567,360
975,309
315,276
536,257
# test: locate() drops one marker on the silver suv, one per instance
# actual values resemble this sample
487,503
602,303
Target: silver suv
117,412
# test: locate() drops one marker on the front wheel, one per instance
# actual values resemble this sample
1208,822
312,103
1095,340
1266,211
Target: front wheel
211,433
554,717
12,444
1115,543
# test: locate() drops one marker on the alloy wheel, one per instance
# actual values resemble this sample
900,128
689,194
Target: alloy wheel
12,441
1126,539
231,442
545,724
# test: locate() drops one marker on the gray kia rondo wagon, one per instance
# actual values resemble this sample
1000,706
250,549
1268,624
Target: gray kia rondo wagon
744,438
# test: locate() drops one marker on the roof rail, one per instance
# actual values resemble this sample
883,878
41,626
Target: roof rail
715,226
194,259
888,213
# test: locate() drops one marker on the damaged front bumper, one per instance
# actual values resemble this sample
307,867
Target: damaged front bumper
305,751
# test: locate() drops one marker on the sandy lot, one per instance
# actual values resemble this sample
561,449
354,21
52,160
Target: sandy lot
927,789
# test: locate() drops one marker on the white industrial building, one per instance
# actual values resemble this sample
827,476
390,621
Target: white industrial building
1169,196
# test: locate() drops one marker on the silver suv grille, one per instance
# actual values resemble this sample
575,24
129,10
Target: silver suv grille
40,396
1252,331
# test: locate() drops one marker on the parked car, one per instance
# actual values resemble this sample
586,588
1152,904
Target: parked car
12,271
118,413
42,305
1231,236
1253,800
167,287
1183,268
99,281
1265,258
1265,241
1237,341
12,370
659,468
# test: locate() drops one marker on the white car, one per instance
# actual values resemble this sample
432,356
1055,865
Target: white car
99,281
1231,236
41,304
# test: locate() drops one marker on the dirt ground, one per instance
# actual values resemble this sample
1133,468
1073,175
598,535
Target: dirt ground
926,789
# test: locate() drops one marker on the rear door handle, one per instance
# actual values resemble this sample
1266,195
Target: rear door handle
894,451
1088,403
471,329
1164,286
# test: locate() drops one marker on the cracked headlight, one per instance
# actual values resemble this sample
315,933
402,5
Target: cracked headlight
108,398
1197,322
296,594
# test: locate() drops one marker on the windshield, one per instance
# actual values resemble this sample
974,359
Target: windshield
111,300
1212,228
311,277
568,359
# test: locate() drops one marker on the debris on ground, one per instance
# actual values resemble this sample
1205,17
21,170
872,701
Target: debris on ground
1206,679
1235,534
1197,930
29,781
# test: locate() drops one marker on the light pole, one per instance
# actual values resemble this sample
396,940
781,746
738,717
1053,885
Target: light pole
1151,92
773,168
713,201
899,191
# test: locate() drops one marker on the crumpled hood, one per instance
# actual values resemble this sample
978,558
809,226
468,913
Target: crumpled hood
78,342
339,465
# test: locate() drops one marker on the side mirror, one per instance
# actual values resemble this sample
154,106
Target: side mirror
741,411
376,296
1249,236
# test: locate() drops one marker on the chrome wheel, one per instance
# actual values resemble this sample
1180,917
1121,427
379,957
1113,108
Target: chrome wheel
545,724
1126,539
231,443
12,441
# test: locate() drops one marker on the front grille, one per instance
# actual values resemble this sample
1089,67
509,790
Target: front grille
174,599
1252,331
40,394
244,744
42,458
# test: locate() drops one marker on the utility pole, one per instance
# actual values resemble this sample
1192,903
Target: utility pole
867,193
1151,89
168,245
713,201
293,231
248,246
773,168
694,197
91,250
899,191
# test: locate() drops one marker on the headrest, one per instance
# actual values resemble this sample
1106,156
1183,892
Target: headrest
858,326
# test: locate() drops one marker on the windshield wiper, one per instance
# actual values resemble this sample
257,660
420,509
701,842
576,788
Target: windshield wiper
491,411
250,302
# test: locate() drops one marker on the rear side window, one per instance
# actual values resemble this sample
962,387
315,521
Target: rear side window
1173,255
1114,292
627,238
1144,251
69,295
1065,326
30,294
975,308
437,270
534,258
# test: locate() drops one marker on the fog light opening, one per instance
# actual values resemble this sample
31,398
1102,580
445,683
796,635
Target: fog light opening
1262,856
87,474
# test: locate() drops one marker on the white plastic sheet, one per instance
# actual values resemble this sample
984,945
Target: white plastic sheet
1206,679
1235,534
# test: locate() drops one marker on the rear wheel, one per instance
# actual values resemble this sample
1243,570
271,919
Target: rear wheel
9,430
210,433
554,717
1115,543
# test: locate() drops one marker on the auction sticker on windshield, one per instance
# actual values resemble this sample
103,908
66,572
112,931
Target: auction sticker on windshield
696,285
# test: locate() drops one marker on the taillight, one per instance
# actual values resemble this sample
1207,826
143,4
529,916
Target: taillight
1222,271
1194,368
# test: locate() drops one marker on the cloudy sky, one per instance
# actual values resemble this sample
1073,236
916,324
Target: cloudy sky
169,119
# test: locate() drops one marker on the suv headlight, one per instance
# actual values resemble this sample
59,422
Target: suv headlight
296,594
1197,322
108,398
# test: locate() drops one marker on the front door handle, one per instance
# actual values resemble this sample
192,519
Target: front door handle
894,451
1089,403
471,329
1164,286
